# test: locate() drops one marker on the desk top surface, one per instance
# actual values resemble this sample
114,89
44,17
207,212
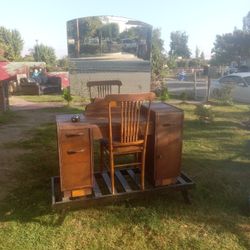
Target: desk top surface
98,119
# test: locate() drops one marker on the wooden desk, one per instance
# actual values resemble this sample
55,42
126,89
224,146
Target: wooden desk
75,149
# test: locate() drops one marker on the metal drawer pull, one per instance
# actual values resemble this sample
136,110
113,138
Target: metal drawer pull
72,135
72,151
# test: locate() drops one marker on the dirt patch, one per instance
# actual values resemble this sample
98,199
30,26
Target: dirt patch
17,103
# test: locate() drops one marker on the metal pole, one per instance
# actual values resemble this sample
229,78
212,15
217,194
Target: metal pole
208,83
37,51
195,85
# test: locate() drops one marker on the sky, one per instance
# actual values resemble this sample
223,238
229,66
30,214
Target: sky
45,21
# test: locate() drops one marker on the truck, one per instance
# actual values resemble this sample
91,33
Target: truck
13,73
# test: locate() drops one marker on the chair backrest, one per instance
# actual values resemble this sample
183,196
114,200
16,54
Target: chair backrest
102,88
126,110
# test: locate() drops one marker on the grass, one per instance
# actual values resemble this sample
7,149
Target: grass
50,98
215,155
8,117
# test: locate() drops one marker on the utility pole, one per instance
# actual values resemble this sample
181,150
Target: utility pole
37,51
208,82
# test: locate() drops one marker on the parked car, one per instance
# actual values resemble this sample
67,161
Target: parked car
240,83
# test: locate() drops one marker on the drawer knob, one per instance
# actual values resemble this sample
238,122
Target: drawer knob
73,151
159,156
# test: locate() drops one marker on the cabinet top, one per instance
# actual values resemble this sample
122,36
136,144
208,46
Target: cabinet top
162,107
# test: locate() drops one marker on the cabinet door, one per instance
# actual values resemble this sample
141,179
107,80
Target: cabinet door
168,147
75,153
76,176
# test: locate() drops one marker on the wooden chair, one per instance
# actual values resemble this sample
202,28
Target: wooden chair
99,89
128,131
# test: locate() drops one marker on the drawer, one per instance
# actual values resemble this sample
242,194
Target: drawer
74,135
169,119
78,151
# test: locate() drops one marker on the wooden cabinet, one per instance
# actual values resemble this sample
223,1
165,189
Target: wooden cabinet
164,147
75,158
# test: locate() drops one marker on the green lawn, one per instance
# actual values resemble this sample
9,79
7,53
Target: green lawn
8,117
50,98
216,156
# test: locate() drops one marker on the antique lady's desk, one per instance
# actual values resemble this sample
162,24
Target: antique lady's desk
75,150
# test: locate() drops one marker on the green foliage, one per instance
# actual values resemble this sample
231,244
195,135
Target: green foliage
183,96
43,53
164,94
178,45
88,27
8,117
204,112
63,64
158,59
109,30
11,44
28,58
67,95
231,47
224,95
246,22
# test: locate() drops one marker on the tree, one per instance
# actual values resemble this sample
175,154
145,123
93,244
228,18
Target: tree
11,44
246,22
197,52
110,31
43,53
88,27
16,44
158,60
63,63
178,45
202,56
231,47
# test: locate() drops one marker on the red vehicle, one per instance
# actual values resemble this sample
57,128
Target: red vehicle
63,75
12,72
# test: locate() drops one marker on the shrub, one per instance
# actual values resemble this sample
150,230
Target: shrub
161,91
204,113
183,96
224,95
67,95
164,94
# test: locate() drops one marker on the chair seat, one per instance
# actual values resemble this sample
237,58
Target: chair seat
124,148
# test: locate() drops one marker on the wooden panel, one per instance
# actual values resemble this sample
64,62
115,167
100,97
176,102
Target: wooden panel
74,135
73,153
76,176
163,162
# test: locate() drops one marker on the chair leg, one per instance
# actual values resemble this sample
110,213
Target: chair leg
112,174
101,157
143,171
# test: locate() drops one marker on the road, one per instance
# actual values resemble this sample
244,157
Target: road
179,87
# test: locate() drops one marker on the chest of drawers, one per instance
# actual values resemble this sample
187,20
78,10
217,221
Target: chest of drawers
75,160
